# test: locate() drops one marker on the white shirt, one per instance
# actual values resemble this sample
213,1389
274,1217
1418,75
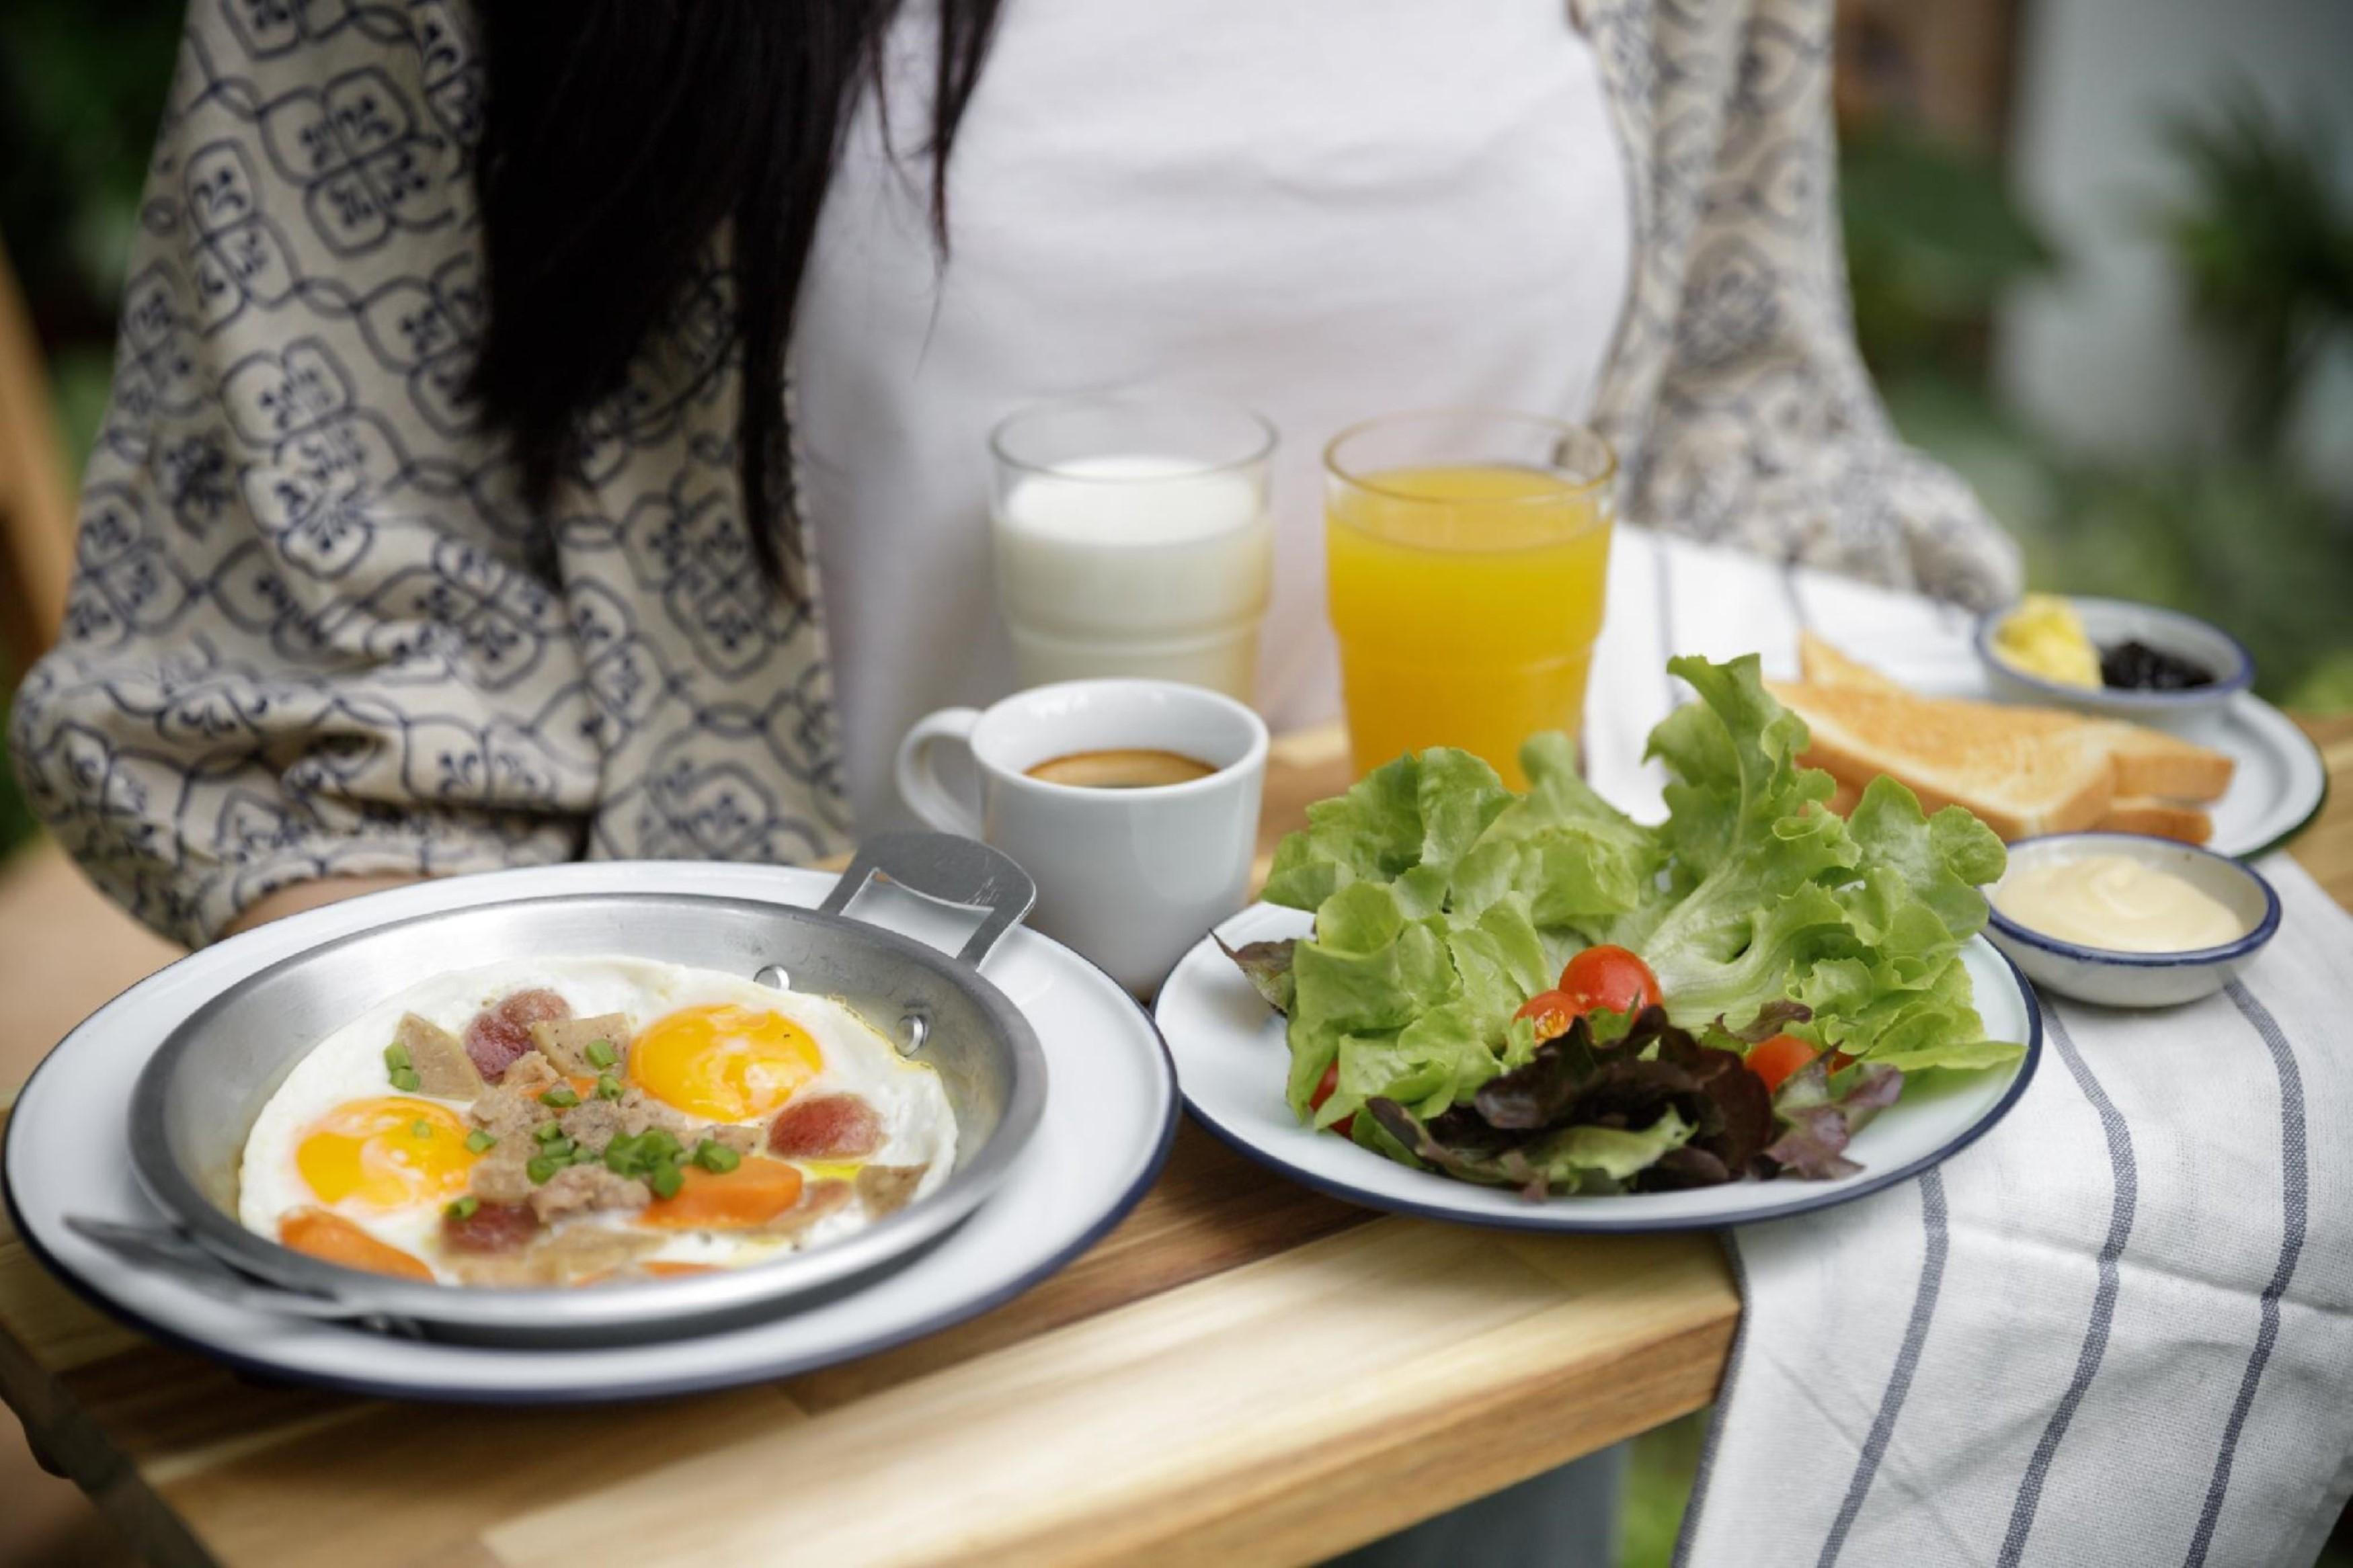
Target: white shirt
1324,209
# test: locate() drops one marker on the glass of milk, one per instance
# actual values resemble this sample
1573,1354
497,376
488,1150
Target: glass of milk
1133,539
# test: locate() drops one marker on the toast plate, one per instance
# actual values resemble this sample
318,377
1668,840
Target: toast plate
1231,1061
2280,784
2278,788
1110,1112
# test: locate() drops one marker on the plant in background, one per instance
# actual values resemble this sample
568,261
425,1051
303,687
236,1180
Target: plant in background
2265,249
1933,243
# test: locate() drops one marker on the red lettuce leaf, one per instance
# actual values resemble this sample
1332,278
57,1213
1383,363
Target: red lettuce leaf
1819,1119
1267,967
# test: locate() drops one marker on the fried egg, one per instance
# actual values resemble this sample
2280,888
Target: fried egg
345,1165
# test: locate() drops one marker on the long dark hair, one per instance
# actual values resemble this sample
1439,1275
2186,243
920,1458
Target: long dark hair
620,137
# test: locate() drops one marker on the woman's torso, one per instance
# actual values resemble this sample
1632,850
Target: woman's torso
1326,210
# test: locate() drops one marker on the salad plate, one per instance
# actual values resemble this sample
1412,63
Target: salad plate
1764,1005
1104,1132
1231,1061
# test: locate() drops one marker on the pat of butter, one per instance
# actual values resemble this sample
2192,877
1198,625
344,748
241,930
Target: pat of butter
2116,902
2043,636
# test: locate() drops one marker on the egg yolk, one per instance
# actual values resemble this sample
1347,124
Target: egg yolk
722,1062
387,1154
754,1193
332,1238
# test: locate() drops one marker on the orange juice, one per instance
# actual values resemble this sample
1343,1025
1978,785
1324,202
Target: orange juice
1467,598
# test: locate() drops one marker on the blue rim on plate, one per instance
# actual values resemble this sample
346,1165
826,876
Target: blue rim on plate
668,1388
1540,1219
2241,678
2263,930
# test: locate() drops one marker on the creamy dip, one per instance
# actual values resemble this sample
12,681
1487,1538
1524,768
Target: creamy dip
2116,902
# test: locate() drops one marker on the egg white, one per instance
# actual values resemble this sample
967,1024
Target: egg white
348,1065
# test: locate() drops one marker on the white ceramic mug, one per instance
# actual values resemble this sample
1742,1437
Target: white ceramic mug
1131,878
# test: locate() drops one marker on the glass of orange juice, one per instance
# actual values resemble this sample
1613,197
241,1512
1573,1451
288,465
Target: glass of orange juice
1468,551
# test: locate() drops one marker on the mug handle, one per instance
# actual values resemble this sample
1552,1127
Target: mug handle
919,781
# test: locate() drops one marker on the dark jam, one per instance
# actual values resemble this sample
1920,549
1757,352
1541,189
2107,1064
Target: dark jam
2137,666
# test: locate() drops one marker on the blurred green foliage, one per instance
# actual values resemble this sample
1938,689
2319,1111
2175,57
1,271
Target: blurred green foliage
2266,251
81,86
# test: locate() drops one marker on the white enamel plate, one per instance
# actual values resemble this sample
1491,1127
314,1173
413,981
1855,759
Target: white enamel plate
2280,781
1230,1063
1111,1110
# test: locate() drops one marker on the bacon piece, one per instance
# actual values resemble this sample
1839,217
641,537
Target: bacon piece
492,1227
826,1127
887,1189
566,1041
500,1034
442,1066
818,1199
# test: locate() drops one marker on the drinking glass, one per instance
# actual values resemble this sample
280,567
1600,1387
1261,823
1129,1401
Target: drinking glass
1467,551
1133,540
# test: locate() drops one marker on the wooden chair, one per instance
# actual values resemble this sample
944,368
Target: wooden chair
64,948
36,514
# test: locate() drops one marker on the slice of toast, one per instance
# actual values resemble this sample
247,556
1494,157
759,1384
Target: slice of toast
2150,762
1825,665
2162,818
2156,782
2023,771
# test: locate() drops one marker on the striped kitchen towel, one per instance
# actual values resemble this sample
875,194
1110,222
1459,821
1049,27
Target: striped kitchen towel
2118,1330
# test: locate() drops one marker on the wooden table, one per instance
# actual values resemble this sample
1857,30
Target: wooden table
1244,1372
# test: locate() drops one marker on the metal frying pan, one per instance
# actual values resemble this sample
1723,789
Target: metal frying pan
197,1100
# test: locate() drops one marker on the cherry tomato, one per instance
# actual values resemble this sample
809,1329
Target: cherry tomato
1778,1058
1554,1011
1325,1087
1609,977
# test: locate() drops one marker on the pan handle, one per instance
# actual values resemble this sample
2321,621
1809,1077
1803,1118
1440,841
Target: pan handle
951,870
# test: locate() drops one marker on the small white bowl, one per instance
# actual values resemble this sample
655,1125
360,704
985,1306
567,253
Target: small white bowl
2114,979
2108,621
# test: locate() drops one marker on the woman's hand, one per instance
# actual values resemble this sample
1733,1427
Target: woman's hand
301,896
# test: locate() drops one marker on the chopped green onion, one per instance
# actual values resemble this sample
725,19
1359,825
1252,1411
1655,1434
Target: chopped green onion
406,1078
564,1097
717,1157
420,1129
478,1140
600,1053
464,1208
539,1168
547,1132
666,1180
661,1144
557,1148
396,1055
608,1087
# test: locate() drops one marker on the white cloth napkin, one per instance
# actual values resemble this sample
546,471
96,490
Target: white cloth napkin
2116,1329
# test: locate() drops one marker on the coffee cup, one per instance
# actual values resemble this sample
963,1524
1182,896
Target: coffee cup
1147,850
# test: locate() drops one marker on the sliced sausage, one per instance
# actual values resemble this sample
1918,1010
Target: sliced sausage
500,1034
492,1227
826,1127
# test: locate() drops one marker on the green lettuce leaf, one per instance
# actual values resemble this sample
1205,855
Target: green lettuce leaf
1443,901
